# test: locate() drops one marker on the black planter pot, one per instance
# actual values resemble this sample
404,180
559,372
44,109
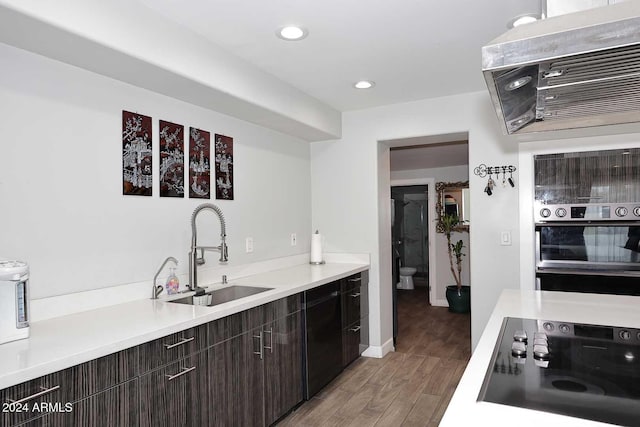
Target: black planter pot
459,302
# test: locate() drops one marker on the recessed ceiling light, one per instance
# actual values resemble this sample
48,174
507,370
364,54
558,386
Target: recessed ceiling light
364,84
292,33
522,19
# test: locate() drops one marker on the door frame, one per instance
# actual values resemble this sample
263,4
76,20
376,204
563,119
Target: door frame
431,207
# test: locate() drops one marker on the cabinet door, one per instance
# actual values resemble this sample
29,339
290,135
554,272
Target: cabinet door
282,366
236,382
117,406
176,395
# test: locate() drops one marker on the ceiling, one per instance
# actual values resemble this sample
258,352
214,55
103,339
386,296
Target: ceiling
412,49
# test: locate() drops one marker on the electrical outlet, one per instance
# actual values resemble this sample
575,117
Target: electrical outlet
294,239
249,244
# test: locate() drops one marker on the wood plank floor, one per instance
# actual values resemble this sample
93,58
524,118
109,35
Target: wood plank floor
409,387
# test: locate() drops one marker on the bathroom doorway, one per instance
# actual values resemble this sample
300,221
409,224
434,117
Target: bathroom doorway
410,235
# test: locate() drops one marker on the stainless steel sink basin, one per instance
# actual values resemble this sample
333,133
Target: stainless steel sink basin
220,296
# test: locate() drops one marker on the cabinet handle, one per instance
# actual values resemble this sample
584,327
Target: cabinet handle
356,295
181,373
357,279
182,341
270,332
33,396
260,352
355,329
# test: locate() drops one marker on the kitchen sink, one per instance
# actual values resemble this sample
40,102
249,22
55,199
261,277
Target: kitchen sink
220,296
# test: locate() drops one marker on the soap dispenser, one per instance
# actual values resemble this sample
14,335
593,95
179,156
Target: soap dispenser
173,284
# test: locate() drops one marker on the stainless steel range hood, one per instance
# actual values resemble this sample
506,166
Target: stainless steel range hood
571,71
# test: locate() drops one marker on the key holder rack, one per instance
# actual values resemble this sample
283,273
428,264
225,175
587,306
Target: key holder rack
483,171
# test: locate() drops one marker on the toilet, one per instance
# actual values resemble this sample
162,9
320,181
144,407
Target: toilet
406,277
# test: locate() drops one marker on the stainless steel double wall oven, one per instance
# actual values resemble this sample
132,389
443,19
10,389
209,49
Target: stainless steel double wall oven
587,221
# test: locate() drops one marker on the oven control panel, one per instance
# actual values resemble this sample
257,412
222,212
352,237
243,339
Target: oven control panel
587,212
621,335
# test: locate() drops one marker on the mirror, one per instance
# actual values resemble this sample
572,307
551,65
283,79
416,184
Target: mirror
453,198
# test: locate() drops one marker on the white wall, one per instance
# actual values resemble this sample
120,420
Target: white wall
441,266
350,202
61,182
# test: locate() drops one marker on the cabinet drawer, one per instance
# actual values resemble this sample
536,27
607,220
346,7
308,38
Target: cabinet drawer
351,343
351,306
117,406
176,395
350,283
67,386
169,349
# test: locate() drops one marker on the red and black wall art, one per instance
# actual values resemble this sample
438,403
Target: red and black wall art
171,159
137,177
199,164
224,167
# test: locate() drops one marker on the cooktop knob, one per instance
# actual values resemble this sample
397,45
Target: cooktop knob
561,212
564,328
545,213
540,352
622,211
520,336
518,349
548,326
540,335
624,334
636,211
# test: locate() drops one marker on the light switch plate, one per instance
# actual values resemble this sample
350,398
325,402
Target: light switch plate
505,238
249,244
294,239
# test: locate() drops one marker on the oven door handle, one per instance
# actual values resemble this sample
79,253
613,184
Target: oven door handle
587,272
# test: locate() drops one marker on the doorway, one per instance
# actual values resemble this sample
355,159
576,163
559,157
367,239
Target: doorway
410,234
415,164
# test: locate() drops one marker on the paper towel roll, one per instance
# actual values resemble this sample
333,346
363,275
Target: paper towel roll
316,248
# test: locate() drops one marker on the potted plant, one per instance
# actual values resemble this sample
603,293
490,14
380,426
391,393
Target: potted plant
458,296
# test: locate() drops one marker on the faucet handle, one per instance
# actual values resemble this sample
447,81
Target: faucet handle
224,252
224,279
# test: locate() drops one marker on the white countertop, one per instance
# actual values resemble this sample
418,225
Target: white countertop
65,341
612,310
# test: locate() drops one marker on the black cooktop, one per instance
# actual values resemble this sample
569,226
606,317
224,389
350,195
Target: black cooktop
580,370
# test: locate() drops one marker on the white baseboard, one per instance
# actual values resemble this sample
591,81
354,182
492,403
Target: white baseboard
379,352
440,303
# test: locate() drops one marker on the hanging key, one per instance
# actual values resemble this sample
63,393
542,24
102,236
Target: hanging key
511,183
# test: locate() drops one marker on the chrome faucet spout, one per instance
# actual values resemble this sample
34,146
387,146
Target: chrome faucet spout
194,259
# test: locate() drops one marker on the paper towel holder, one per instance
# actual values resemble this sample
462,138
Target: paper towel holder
316,234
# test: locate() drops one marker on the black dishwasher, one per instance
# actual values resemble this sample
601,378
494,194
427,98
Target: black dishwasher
323,337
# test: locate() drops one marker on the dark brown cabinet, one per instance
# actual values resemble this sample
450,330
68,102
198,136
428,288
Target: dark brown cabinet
282,349
355,316
176,395
236,382
256,376
241,370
